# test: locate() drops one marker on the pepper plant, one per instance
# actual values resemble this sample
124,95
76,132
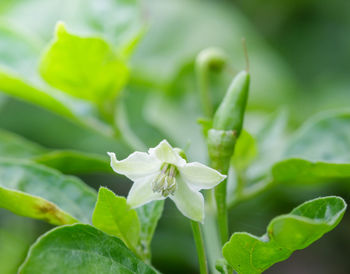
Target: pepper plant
82,79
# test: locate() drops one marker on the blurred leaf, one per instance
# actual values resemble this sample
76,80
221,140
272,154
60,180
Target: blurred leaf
14,146
114,216
271,141
81,249
74,162
19,48
305,224
39,192
179,30
12,85
149,215
119,21
66,161
245,151
84,67
318,152
325,137
16,236
176,124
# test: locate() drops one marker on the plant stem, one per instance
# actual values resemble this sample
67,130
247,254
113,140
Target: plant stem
198,238
220,197
210,59
203,84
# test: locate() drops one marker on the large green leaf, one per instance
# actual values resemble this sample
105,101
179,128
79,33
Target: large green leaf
114,216
81,249
84,67
249,254
149,215
319,151
39,192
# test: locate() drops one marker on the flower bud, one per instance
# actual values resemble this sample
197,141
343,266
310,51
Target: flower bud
230,113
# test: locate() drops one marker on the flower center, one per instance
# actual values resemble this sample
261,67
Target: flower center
165,182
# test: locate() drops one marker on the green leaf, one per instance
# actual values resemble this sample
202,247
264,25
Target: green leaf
84,67
245,151
13,85
81,249
66,161
305,224
39,192
114,216
14,146
318,152
74,162
149,215
325,137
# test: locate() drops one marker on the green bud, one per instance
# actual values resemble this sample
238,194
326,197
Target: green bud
221,144
211,58
230,113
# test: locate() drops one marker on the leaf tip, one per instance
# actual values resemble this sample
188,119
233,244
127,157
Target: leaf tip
60,28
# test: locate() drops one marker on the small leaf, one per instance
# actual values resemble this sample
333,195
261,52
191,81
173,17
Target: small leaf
149,215
84,67
81,249
305,224
114,216
245,151
39,192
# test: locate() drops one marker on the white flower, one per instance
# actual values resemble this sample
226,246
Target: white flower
163,173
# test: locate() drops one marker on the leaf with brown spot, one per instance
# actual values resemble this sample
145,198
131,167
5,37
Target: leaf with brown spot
38,192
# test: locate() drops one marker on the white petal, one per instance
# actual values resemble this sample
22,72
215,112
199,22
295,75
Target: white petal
137,165
200,176
188,201
165,153
141,192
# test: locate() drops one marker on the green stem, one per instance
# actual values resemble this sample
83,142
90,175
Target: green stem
203,85
220,197
198,238
209,59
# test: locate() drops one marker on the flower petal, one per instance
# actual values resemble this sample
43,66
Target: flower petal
188,201
165,153
200,176
137,165
141,192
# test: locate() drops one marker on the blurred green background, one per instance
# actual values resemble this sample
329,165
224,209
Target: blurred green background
300,62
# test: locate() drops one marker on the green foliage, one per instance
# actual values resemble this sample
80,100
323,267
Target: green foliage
14,146
149,215
67,161
84,67
81,249
318,151
39,192
305,224
114,216
74,162
245,151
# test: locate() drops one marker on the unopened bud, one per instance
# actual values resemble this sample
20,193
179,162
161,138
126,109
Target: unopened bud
230,114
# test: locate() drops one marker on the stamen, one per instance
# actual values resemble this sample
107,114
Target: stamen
165,182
